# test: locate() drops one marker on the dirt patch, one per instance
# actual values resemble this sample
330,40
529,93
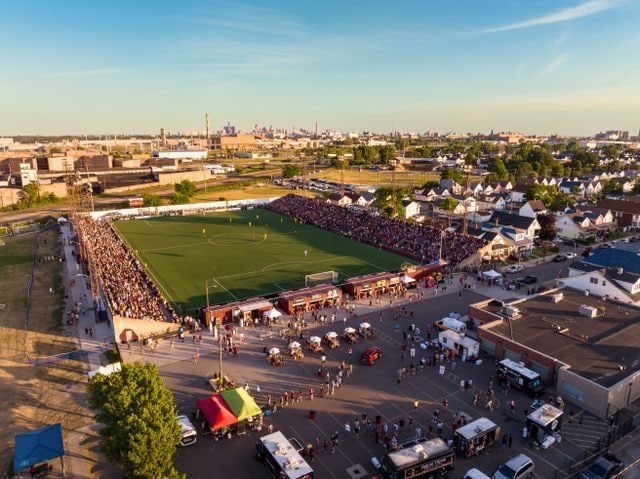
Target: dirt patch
35,395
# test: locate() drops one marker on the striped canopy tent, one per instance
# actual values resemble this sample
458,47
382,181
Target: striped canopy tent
216,412
241,403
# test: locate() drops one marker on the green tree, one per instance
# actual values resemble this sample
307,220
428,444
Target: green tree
547,226
178,199
32,193
611,187
431,184
149,199
140,431
387,154
449,204
561,201
290,170
185,188
611,151
497,170
385,201
452,174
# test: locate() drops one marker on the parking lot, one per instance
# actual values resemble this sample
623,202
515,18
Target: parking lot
372,390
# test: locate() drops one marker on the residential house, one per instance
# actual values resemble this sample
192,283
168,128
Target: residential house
601,218
572,188
592,187
475,188
518,193
491,202
529,226
609,283
574,226
469,203
430,194
498,246
339,199
626,212
627,184
453,187
411,208
532,208
357,199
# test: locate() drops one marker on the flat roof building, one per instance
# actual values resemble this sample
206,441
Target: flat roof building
592,361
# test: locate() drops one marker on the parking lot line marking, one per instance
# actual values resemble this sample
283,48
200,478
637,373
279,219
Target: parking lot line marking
317,455
553,466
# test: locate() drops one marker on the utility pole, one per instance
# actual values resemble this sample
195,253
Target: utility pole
465,220
393,191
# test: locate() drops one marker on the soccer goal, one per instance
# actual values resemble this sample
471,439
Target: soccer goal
320,278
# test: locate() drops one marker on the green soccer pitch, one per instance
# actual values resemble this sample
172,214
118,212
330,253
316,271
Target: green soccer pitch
241,254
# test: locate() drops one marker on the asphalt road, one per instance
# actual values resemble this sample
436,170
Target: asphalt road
372,390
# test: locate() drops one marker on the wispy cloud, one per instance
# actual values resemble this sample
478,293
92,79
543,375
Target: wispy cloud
553,65
250,18
85,73
583,10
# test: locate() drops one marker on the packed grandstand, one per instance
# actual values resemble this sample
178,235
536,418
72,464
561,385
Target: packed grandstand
419,242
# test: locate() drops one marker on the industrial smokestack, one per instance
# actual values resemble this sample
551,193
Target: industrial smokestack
163,137
206,120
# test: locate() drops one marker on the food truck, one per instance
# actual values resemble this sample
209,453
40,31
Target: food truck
282,458
466,348
419,458
543,425
476,436
520,377
452,324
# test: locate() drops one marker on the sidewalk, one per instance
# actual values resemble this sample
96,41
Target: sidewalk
82,454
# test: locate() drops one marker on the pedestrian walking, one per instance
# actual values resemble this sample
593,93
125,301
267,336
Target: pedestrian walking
416,404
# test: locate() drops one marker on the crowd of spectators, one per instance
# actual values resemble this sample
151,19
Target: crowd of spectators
129,291
419,242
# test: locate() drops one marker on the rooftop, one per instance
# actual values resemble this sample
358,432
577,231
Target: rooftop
615,257
595,348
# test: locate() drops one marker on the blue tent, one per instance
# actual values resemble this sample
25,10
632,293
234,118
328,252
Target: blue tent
38,446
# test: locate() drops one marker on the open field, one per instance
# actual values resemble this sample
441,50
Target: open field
377,178
242,254
35,395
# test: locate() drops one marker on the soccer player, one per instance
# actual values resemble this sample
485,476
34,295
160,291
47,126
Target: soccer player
204,231
305,253
265,236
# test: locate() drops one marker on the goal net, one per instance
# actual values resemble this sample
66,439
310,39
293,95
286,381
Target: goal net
320,278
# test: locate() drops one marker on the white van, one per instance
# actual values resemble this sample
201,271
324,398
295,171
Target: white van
189,434
519,467
466,348
475,474
452,324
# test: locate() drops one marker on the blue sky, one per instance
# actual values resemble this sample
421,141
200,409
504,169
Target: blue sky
535,66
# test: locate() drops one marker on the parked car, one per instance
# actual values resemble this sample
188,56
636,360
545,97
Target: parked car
189,435
370,356
515,268
571,255
559,258
528,279
519,467
604,467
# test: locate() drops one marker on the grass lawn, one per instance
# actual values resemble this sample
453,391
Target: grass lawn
242,254
33,395
377,178
247,192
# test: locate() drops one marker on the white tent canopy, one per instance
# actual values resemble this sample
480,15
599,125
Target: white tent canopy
314,339
349,330
274,351
408,279
491,274
365,325
331,334
294,345
273,314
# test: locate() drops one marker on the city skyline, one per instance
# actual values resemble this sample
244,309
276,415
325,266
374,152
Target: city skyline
537,67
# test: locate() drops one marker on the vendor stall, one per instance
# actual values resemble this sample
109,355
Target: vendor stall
543,425
295,350
272,316
464,347
315,344
216,414
243,407
476,436
365,330
331,339
350,335
274,357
